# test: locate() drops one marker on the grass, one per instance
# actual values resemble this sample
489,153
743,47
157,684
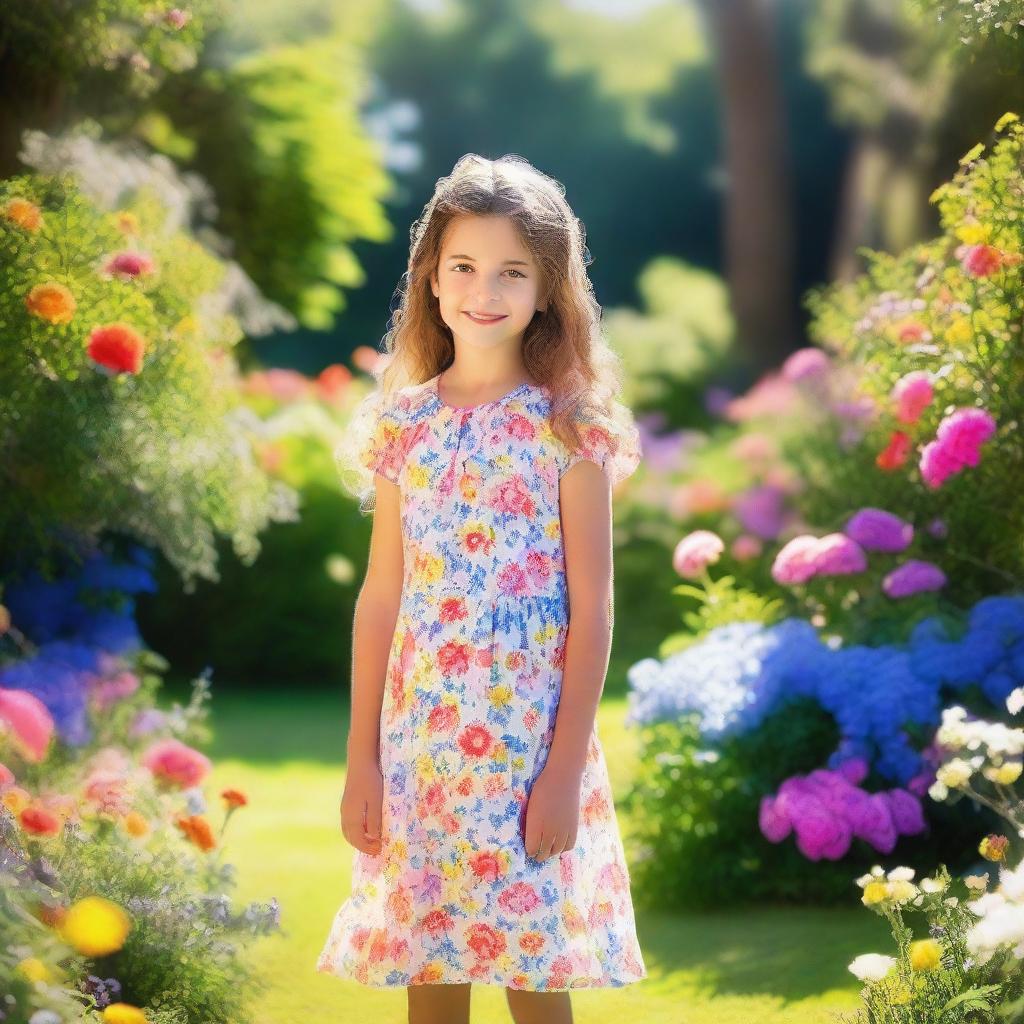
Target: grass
286,752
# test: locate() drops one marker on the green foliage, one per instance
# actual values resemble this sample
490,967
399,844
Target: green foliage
161,454
922,310
278,135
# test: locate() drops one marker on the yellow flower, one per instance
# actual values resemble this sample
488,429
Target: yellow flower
973,153
900,994
34,969
972,234
95,926
1006,119
16,799
417,475
1009,773
959,331
875,892
993,847
123,1013
135,824
500,696
902,891
925,955
955,773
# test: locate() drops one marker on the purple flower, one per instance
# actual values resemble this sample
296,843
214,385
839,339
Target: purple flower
913,577
877,530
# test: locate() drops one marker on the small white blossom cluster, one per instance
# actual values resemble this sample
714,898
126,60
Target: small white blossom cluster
999,748
985,16
1001,914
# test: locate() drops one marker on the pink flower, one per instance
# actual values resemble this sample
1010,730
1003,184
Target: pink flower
108,691
129,263
912,394
29,721
878,530
746,546
804,363
835,554
795,562
820,834
981,260
519,898
177,18
6,777
695,552
875,825
957,444
174,762
913,577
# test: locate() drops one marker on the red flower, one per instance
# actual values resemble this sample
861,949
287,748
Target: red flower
197,830
117,346
476,740
442,718
485,866
234,798
436,922
39,821
982,260
453,658
485,941
896,452
452,609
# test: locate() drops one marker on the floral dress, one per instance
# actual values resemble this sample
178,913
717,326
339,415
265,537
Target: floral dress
472,689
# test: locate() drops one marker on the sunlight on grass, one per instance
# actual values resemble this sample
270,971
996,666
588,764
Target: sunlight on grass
773,965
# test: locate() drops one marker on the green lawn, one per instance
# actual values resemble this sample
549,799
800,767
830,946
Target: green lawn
773,966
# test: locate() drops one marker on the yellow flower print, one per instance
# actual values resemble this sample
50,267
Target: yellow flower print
469,486
417,476
500,754
500,696
553,529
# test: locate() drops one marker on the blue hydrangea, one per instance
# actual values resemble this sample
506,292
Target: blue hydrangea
741,672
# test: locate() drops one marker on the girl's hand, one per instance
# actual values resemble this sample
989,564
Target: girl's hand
361,804
552,813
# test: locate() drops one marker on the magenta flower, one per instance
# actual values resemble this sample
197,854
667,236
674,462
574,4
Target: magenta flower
695,552
957,444
775,825
913,577
174,762
912,394
877,530
874,824
835,554
981,260
6,777
819,833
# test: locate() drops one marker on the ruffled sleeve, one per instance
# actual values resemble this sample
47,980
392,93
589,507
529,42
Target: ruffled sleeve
611,443
374,441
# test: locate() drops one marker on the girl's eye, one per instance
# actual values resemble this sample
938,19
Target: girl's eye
511,270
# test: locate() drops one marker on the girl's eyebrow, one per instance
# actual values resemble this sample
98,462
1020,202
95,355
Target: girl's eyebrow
463,256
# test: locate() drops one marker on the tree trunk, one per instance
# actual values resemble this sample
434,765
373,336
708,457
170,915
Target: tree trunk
759,254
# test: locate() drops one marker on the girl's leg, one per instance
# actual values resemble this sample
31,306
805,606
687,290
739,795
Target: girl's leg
539,1007
438,1004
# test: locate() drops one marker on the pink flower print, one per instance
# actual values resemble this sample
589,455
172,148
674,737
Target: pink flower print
560,968
519,426
596,808
531,943
519,898
399,906
436,923
443,718
486,942
380,946
513,498
567,868
452,609
453,658
486,865
610,878
538,568
515,661
495,785
476,740
434,798
512,580
601,913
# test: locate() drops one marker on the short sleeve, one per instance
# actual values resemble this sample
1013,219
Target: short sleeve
383,450
614,445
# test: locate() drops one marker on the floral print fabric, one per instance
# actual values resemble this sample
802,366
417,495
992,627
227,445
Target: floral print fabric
470,698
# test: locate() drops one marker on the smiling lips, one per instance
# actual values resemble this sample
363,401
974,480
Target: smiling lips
483,318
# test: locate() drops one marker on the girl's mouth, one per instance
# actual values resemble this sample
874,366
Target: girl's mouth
483,320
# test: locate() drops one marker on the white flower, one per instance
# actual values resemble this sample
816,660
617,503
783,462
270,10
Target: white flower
978,882
938,791
871,966
955,773
933,884
901,874
1015,702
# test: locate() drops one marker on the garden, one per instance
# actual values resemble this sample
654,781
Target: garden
814,711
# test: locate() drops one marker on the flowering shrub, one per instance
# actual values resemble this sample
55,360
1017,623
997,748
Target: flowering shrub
114,899
122,407
972,961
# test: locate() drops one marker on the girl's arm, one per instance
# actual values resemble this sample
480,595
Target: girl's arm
586,513
376,613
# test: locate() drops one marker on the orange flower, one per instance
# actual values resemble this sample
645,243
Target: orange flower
197,830
135,824
993,847
126,222
23,213
117,346
38,821
234,798
51,301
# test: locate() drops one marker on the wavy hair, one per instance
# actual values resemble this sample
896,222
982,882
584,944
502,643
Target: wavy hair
563,348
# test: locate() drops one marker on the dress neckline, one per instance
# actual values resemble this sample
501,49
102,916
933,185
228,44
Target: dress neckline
435,390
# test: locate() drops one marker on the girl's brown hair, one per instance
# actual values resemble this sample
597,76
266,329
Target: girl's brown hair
564,349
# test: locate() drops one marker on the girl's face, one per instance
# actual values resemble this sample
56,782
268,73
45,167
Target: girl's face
487,282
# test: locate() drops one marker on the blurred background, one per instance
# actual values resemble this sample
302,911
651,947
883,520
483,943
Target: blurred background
804,219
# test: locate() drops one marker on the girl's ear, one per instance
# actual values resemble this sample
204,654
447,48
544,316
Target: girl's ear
434,287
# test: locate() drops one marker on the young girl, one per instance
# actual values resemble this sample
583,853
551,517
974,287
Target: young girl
477,793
